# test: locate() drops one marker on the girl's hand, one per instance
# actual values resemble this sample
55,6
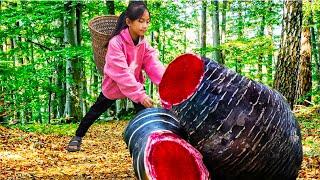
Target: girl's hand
147,102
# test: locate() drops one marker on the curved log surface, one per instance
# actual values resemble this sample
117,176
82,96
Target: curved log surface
154,138
243,129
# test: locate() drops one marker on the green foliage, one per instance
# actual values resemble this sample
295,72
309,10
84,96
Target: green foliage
309,119
53,129
33,53
169,20
247,54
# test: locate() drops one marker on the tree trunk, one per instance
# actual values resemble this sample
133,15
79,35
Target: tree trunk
223,28
185,41
82,78
110,7
304,85
314,58
289,55
2,89
60,75
240,28
317,61
269,60
72,107
151,84
313,42
261,57
16,114
163,44
216,55
203,27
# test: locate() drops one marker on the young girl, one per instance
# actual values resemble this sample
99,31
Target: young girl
128,54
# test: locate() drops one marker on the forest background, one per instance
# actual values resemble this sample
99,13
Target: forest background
48,78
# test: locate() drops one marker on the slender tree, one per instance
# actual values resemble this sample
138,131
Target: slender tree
83,84
60,76
216,55
317,61
261,56
2,90
203,27
313,42
72,107
240,30
223,27
289,55
269,63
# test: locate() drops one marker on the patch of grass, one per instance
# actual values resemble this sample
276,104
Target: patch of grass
309,120
58,129
54,129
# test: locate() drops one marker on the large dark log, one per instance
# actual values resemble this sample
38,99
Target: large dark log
243,129
157,149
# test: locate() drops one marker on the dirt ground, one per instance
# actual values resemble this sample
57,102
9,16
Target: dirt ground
103,156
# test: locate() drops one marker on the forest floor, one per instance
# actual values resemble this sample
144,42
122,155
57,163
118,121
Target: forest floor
30,155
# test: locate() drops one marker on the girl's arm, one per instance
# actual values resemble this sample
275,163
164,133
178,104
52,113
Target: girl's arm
117,69
153,67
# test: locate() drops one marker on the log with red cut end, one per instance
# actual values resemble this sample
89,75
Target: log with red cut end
243,129
154,138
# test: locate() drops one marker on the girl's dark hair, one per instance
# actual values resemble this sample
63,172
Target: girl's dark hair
134,11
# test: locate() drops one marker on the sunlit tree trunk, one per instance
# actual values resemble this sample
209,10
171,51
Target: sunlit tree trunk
60,75
82,78
269,62
72,107
240,28
223,28
203,27
313,42
314,58
289,55
151,84
16,115
304,85
317,61
261,57
216,55
2,90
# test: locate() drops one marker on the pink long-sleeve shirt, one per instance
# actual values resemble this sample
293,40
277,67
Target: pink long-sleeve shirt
125,61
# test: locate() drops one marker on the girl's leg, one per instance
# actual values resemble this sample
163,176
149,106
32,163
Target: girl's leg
99,107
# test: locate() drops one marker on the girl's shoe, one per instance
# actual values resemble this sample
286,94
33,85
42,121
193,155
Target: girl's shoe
74,144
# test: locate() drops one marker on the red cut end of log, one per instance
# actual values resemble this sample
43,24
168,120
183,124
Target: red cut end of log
170,157
181,79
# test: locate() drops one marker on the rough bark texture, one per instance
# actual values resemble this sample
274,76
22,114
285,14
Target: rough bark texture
304,75
289,55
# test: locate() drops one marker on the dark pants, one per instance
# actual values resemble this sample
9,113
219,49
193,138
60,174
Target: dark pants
99,107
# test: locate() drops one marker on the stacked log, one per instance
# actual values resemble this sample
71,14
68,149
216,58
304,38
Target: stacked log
154,139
